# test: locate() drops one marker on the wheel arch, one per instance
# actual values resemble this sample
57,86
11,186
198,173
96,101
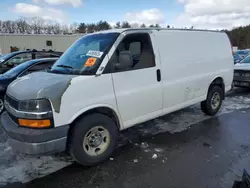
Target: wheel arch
219,81
102,109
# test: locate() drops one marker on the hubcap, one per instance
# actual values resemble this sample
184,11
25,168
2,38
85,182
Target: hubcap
215,101
1,105
96,141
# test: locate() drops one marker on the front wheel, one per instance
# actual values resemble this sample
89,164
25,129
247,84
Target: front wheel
93,139
213,102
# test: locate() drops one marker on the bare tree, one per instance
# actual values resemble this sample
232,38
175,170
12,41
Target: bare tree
73,28
65,29
9,26
57,29
37,25
49,27
22,26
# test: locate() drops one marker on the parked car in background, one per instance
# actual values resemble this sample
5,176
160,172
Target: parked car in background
242,73
15,58
242,53
237,58
22,70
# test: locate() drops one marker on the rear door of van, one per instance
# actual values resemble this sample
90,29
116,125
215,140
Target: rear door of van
138,90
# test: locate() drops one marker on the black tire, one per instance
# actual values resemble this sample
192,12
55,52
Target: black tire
2,103
206,106
79,131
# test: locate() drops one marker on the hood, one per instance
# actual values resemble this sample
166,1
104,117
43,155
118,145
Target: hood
242,66
4,82
3,77
41,85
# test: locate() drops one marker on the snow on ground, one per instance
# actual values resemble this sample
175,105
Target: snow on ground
183,119
21,168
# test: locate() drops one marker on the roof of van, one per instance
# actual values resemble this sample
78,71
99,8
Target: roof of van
152,28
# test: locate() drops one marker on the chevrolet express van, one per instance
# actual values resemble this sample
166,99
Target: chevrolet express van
109,81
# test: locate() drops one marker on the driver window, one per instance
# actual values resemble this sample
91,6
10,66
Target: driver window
135,48
140,47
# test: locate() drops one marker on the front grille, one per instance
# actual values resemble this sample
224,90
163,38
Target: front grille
241,75
12,101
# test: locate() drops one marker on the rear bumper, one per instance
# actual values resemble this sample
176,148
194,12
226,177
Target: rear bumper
35,141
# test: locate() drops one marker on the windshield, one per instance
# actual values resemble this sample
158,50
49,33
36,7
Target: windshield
5,57
16,70
85,55
246,60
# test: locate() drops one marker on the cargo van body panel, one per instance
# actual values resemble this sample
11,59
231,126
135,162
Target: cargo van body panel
190,62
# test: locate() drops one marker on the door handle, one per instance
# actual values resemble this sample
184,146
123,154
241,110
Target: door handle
158,74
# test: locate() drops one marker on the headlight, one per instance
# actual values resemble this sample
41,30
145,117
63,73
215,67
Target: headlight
37,105
35,113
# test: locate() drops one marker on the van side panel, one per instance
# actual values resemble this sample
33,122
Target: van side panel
190,61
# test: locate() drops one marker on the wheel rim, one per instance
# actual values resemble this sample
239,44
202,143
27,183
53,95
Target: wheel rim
1,105
96,141
215,101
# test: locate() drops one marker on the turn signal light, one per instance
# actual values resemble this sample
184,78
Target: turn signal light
45,123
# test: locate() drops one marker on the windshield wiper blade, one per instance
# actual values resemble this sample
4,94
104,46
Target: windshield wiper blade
65,66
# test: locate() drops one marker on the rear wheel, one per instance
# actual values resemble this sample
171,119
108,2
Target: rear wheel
213,102
93,139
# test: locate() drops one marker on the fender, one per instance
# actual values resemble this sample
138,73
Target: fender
84,110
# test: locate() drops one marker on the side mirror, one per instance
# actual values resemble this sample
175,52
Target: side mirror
10,64
125,61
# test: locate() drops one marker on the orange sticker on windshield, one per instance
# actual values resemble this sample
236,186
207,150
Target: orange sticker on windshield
90,62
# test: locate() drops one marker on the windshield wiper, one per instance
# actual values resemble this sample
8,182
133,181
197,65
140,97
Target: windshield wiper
67,67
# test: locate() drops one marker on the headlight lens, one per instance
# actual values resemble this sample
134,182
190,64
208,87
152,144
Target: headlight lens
37,105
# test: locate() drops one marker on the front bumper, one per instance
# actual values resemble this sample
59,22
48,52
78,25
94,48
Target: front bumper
35,141
241,83
241,78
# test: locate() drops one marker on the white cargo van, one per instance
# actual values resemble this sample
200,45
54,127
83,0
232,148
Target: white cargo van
109,81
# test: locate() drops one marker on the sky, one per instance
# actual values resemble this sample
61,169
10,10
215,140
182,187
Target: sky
202,14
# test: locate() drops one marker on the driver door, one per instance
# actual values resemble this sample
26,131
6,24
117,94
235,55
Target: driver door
138,90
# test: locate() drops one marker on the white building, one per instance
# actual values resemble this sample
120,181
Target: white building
38,42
